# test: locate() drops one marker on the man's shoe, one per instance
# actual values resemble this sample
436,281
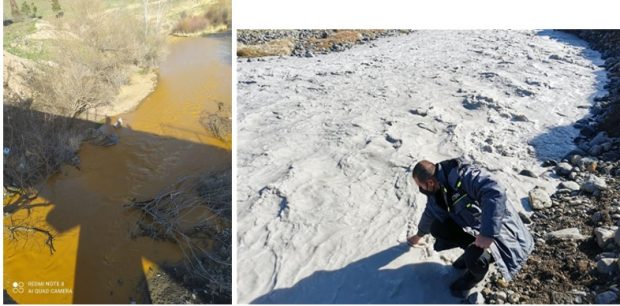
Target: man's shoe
459,263
463,284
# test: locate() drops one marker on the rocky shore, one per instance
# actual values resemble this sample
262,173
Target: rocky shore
304,43
577,254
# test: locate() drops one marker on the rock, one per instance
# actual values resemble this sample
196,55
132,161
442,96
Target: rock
501,295
617,237
502,283
575,159
578,300
570,185
419,112
566,234
486,292
514,298
529,173
594,184
599,139
549,163
587,131
596,150
603,236
607,266
606,297
539,198
475,298
588,164
564,169
525,218
572,176
597,217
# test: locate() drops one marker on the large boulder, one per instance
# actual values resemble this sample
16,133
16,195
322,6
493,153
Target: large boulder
539,198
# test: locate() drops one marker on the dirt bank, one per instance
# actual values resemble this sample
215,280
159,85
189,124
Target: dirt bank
304,43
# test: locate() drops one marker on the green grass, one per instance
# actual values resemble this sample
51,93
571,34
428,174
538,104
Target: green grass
14,38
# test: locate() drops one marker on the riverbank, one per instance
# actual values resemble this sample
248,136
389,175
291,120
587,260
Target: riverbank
304,43
140,85
577,254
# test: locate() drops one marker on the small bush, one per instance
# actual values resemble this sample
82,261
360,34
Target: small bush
217,15
191,24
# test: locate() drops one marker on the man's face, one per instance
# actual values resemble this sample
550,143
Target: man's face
429,186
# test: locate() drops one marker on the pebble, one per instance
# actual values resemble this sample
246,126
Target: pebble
502,283
575,159
514,298
564,169
475,298
529,173
501,295
594,184
570,185
603,236
607,266
566,234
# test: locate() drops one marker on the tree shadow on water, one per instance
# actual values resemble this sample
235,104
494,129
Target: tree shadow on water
109,262
365,282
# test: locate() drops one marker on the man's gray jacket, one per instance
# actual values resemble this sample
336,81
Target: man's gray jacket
479,205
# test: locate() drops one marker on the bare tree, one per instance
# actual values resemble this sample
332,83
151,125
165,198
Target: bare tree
14,9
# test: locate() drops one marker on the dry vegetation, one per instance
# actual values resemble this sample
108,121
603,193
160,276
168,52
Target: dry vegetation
84,68
219,123
218,17
279,47
195,213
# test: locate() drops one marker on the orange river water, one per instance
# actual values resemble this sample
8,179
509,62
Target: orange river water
96,259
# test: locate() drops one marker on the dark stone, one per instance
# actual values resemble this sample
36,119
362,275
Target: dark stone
529,173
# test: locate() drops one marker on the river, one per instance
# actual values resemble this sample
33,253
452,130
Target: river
96,259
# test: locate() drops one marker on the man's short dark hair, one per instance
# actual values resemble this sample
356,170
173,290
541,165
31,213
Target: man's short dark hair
424,170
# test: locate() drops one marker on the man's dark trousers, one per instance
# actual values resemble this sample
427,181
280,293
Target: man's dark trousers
450,235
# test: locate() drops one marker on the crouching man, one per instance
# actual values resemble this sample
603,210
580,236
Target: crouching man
466,208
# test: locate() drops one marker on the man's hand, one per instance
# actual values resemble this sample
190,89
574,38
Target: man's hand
483,242
413,240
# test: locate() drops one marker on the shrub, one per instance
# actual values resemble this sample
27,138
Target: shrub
191,24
